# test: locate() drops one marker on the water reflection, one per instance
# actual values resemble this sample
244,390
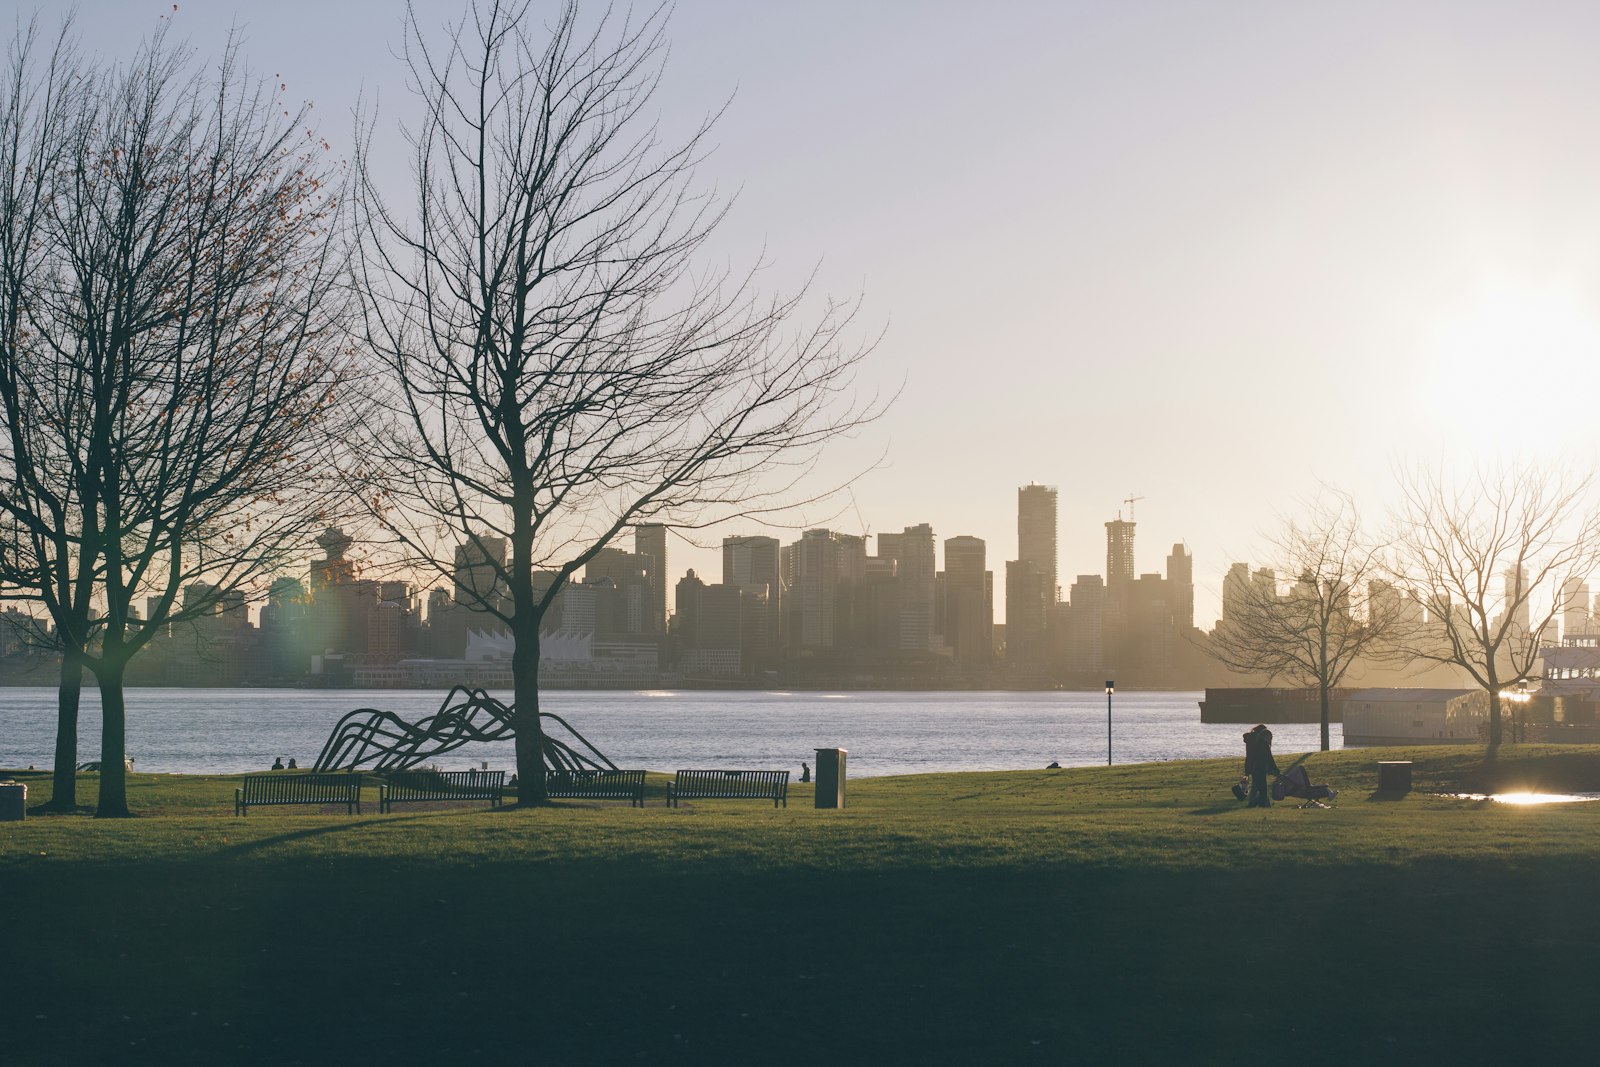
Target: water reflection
1527,799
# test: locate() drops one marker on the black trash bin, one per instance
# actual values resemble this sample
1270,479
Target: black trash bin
13,801
830,778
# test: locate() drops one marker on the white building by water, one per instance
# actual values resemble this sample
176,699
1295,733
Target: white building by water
1435,716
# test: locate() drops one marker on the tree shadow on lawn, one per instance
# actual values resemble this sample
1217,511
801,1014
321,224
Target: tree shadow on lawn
508,960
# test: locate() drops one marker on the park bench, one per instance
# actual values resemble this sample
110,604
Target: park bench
269,789
405,787
729,785
596,785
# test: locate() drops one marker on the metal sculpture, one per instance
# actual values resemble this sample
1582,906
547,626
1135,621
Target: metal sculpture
392,744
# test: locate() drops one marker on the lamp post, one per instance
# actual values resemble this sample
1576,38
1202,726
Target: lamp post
1111,687
1518,699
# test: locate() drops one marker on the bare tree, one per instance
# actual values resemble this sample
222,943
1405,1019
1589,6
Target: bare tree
559,370
40,98
1336,613
1488,559
174,358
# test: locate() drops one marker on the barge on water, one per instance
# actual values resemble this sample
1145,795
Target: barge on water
1246,706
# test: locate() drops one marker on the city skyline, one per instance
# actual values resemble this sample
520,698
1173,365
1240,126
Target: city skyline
1141,252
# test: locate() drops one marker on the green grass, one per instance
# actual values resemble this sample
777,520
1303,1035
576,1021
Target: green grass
1078,915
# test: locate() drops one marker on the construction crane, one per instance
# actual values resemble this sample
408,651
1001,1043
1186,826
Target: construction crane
1129,501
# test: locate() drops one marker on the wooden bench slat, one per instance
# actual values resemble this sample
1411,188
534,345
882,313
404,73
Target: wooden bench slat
413,786
730,785
312,788
596,785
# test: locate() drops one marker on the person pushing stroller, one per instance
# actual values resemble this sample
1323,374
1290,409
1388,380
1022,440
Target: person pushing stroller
1258,763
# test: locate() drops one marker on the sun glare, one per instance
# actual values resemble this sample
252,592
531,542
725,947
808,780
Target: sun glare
1501,356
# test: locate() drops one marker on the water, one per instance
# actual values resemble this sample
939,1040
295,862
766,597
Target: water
215,731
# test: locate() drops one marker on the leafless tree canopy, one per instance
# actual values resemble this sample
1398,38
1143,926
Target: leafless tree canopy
1337,610
1488,556
560,369
170,347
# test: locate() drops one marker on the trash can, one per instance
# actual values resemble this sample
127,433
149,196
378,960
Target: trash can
830,778
1394,777
13,801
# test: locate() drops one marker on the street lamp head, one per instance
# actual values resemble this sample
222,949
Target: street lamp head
1111,686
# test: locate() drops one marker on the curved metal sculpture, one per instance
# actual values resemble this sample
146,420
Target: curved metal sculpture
392,744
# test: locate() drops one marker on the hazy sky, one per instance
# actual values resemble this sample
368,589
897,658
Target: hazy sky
1207,254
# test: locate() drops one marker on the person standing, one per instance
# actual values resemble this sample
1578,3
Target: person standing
1258,763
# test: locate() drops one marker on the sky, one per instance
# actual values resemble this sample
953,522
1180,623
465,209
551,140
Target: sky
1208,255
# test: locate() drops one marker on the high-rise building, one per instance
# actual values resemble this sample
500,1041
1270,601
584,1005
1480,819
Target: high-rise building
636,609
1036,532
1086,637
753,564
915,568
1516,598
968,613
479,564
1574,607
650,541
813,589
1180,597
1025,615
1235,593
1119,551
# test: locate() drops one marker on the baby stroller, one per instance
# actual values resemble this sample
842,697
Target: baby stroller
1295,782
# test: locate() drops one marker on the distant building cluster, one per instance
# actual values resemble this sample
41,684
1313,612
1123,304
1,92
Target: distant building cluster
827,609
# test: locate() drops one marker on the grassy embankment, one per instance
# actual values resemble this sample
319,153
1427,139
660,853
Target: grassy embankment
1029,916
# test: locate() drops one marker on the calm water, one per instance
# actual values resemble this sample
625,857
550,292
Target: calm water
229,730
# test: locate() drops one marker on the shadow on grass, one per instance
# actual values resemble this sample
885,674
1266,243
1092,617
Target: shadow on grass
307,834
1220,808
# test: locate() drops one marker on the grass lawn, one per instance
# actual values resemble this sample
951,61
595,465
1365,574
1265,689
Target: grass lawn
1136,914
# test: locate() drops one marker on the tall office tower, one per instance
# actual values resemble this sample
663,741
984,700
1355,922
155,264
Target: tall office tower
1574,607
1235,593
852,553
633,609
968,613
1119,551
813,589
1516,597
913,551
1086,636
754,565
479,564
1180,593
650,541
1036,532
1026,609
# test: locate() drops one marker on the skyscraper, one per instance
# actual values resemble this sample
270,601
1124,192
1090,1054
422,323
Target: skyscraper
754,565
915,568
814,587
1119,551
1036,532
1180,576
968,613
650,541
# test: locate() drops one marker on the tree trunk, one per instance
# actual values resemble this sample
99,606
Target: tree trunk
1323,692
530,735
64,776
113,738
1494,722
